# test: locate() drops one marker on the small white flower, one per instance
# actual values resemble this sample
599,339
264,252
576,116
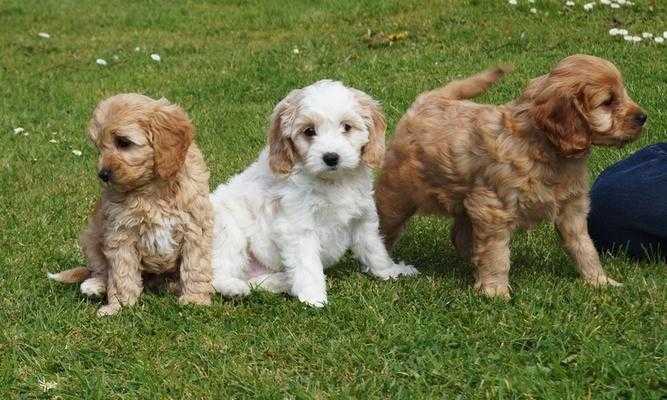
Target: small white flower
295,50
512,2
44,35
588,6
647,35
101,61
18,130
628,38
137,48
614,5
636,39
569,3
659,40
46,385
621,2
156,57
53,141
664,34
613,32
623,32
533,10
77,152
605,2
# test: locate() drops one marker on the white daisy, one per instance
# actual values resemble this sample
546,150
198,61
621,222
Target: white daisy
295,50
569,3
101,61
659,40
512,2
156,57
137,48
647,35
614,5
46,385
18,130
588,6
614,32
77,152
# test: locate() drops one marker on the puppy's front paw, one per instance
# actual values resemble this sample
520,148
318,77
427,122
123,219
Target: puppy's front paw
396,270
197,299
601,281
313,298
93,287
493,290
109,309
231,287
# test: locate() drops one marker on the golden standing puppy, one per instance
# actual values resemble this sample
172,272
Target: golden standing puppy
499,168
154,215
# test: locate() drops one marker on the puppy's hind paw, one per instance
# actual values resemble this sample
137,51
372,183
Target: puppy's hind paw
395,271
93,287
602,281
231,287
109,309
197,299
495,291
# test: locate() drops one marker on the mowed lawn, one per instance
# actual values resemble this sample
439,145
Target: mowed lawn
228,64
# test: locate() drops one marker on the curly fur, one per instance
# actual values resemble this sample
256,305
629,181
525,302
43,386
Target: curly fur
154,215
290,215
499,168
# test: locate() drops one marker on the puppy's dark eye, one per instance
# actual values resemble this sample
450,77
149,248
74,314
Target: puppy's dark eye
123,142
347,127
609,101
310,132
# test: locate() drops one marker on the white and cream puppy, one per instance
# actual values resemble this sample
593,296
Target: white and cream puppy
306,200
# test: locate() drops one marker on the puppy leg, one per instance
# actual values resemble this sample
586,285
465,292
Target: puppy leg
461,236
393,209
573,228
230,258
300,255
491,231
124,284
368,247
91,245
195,269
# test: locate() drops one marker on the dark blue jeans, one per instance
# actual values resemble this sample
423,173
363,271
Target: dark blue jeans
629,205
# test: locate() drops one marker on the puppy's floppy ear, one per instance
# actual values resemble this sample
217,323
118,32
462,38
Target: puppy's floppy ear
171,134
373,152
559,114
282,154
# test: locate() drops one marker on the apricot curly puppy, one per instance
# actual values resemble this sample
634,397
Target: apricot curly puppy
499,168
154,215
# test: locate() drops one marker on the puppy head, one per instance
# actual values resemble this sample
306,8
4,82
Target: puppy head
139,140
583,102
328,128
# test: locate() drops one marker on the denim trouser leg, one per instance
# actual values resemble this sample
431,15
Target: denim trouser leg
629,204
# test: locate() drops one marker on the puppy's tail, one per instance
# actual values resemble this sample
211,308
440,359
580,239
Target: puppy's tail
74,275
474,85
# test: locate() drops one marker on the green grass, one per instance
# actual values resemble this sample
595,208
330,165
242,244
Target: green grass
228,63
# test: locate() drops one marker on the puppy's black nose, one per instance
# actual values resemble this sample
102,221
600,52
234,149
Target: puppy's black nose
640,118
331,159
105,175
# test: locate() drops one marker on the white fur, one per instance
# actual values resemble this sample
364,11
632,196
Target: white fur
278,232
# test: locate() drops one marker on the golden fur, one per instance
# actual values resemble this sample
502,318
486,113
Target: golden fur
154,215
499,168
